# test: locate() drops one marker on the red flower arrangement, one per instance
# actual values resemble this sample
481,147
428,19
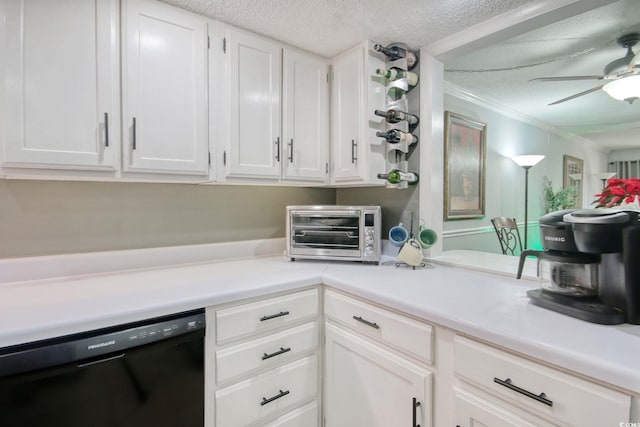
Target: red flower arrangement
618,191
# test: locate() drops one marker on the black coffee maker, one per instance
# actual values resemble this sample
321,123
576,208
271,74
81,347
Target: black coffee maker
590,268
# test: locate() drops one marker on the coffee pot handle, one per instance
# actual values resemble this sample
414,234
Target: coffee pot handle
523,257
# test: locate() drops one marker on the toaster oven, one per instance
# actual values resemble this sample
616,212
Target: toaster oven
347,233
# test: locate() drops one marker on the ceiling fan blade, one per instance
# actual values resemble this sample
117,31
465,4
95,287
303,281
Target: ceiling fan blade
564,79
586,92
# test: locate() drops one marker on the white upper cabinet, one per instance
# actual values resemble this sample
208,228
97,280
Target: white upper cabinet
59,84
253,145
305,117
165,127
347,117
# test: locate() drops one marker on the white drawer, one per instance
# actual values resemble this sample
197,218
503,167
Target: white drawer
266,351
305,416
471,410
246,319
566,398
399,332
268,393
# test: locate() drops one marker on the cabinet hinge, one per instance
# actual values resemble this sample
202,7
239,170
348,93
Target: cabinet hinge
224,157
224,45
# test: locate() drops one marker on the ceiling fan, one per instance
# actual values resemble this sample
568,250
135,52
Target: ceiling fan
622,76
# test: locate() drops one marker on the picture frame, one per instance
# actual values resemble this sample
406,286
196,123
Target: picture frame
465,149
572,176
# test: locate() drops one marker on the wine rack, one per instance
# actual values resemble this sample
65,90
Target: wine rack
396,154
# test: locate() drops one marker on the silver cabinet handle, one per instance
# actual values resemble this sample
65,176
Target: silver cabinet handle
277,142
276,353
133,137
271,399
273,316
106,129
542,398
416,404
354,150
366,322
291,151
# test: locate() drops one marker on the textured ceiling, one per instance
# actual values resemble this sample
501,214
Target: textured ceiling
581,45
329,27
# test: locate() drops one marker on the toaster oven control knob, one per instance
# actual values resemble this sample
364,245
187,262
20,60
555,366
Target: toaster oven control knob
369,239
368,250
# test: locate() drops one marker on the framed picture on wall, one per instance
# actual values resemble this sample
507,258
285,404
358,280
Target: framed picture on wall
572,176
465,147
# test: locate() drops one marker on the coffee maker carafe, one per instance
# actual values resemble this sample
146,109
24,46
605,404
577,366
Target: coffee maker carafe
590,268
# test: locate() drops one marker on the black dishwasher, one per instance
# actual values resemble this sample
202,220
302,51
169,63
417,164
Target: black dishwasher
148,373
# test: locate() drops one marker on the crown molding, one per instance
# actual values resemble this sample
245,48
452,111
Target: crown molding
494,105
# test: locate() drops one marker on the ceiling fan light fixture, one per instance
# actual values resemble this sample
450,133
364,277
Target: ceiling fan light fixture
624,89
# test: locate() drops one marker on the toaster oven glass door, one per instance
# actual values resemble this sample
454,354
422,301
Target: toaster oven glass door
326,233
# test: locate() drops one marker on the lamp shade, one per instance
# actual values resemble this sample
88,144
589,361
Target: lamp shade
527,161
624,89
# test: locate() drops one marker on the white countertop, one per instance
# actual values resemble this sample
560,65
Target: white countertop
491,307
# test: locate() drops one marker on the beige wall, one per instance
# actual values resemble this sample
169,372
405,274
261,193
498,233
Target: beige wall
54,217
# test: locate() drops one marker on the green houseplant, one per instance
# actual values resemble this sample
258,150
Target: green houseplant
564,198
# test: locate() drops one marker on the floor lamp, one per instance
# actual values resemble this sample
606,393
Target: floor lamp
604,177
526,163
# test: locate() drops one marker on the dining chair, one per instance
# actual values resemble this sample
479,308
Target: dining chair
508,235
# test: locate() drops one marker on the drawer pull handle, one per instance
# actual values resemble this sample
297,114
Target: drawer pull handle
366,322
277,353
542,398
273,316
271,399
416,404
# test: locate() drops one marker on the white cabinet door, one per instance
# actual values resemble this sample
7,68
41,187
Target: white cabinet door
347,119
164,89
305,117
254,140
368,386
60,79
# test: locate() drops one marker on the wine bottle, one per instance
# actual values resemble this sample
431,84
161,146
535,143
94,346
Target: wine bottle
396,176
396,93
395,136
395,116
395,73
394,52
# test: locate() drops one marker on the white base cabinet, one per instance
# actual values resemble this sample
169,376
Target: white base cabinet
367,385
512,385
376,362
262,362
